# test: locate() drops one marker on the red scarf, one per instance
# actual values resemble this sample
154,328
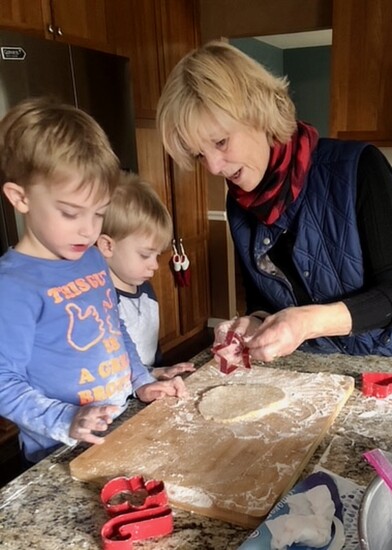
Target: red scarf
283,179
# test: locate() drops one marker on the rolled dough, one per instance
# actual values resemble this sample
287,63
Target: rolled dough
240,402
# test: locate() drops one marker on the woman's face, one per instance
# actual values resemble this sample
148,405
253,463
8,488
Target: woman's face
237,152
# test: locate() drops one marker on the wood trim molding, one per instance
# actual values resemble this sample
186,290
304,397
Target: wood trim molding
241,18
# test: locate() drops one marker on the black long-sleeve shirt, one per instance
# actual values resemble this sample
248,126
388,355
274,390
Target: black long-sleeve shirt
370,307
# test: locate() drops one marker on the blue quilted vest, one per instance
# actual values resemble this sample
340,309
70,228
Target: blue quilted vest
327,251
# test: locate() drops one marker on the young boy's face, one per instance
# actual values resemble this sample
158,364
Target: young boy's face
133,261
62,221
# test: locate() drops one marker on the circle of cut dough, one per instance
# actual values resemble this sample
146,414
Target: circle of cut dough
240,402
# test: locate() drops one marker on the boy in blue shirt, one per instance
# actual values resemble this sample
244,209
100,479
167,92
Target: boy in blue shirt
67,364
137,228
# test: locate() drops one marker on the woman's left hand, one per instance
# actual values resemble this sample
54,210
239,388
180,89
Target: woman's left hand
282,333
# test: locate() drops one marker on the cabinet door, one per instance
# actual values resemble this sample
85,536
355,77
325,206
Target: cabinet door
83,22
361,106
23,15
183,310
155,34
152,168
158,34
137,35
190,208
178,20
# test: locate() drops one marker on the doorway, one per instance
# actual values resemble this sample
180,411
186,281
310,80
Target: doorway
304,58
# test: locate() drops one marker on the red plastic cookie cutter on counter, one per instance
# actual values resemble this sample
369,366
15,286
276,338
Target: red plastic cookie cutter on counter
139,511
377,384
232,353
151,493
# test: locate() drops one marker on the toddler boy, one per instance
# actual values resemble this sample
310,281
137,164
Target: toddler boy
137,227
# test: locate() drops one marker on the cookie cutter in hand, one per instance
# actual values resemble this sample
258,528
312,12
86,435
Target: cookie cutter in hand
239,352
133,521
377,384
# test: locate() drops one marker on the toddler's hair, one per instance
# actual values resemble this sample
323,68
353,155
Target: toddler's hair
136,208
41,137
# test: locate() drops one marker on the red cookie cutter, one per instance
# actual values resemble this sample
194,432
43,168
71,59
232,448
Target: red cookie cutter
377,384
140,510
151,493
232,353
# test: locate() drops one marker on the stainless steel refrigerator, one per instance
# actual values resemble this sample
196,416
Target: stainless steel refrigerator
96,82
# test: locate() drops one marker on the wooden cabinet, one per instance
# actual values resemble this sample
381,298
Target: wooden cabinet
10,456
153,167
156,35
138,35
361,105
79,22
180,35
184,310
190,213
22,15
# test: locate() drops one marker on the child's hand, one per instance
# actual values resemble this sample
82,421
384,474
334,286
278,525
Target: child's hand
157,390
92,419
166,373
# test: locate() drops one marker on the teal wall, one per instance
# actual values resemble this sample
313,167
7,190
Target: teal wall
269,56
308,71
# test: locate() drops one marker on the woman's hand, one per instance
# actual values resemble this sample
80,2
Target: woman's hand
244,326
282,333
174,387
92,419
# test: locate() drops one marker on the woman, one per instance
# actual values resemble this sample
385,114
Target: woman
311,218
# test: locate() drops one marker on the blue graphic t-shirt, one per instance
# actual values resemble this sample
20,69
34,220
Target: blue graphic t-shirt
62,346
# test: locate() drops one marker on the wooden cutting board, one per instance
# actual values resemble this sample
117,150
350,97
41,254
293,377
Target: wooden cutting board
233,472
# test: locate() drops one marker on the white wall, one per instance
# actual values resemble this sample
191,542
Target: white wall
388,153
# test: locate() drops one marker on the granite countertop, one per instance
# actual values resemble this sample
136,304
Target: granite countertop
45,509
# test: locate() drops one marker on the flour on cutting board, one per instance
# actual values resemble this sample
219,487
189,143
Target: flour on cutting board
232,403
239,469
190,495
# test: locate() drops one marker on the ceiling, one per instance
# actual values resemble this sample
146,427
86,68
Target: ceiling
299,39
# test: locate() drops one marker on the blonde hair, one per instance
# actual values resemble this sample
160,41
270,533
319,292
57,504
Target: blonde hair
135,208
41,137
220,82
